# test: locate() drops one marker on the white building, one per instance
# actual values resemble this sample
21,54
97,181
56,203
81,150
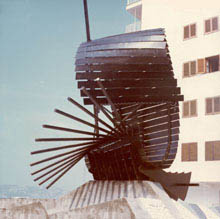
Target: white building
193,35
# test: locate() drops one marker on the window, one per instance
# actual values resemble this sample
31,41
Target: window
211,25
189,108
212,150
189,31
189,69
212,64
208,65
212,105
201,65
189,152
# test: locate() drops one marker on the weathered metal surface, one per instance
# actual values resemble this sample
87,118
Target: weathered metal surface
149,82
133,75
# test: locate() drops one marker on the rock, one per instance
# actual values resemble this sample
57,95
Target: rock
116,209
30,211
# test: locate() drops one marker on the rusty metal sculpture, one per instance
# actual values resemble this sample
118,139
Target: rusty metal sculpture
131,74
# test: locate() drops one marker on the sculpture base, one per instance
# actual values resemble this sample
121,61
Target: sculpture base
109,200
120,199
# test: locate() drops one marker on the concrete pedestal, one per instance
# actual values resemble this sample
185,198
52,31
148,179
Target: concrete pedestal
108,200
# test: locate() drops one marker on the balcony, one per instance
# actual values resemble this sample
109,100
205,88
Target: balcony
132,1
134,7
133,27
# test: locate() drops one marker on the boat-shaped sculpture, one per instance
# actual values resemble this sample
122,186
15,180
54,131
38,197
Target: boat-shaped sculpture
129,79
132,73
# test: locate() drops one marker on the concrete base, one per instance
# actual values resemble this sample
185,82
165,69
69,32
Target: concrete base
31,211
108,200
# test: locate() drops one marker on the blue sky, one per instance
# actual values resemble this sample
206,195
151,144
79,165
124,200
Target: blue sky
38,42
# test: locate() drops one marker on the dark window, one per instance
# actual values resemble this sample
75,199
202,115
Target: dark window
212,150
189,69
211,25
193,67
186,69
185,109
213,105
189,152
208,26
189,31
193,30
217,104
193,110
212,64
214,23
190,108
186,32
209,105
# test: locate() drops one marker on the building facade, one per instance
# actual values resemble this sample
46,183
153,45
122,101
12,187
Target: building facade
193,35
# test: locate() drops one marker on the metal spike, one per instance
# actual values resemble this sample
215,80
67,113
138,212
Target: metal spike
81,121
60,148
89,113
71,130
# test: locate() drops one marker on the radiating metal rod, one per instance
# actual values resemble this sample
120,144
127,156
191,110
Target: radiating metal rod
107,110
132,112
51,165
64,172
91,114
64,139
118,116
71,130
81,121
54,174
96,112
61,148
52,170
108,99
99,106
59,155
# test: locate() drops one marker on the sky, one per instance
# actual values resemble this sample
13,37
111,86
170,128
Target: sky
38,42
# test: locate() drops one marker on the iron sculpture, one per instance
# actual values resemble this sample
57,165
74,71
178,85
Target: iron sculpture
129,78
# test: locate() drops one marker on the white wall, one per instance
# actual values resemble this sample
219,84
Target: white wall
173,16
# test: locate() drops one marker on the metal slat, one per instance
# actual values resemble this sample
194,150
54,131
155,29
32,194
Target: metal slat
157,114
146,109
163,146
131,45
135,91
132,37
124,52
126,36
160,134
125,67
122,75
159,121
127,39
161,152
124,60
160,140
130,83
159,158
158,128
136,99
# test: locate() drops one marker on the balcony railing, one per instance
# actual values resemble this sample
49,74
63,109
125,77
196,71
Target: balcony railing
133,27
132,1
